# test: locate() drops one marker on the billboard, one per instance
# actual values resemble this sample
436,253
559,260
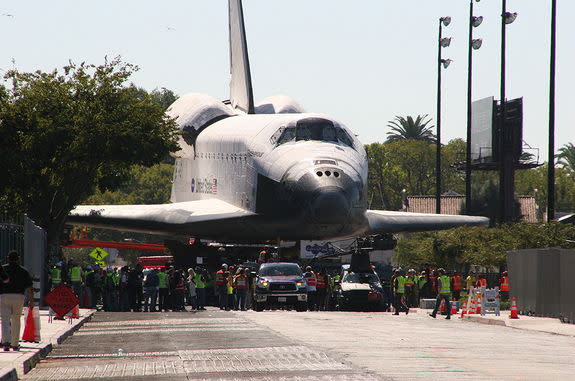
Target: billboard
512,138
482,133
312,249
315,249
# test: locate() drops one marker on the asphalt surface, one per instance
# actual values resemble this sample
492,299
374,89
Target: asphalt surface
418,347
205,345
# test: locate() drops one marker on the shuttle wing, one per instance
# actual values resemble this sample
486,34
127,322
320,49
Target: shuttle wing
382,221
186,218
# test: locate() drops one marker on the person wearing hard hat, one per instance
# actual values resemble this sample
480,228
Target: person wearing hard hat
443,293
56,275
221,286
456,285
410,288
399,304
504,285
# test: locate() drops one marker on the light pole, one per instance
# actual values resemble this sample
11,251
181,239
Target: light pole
551,159
506,157
474,44
443,42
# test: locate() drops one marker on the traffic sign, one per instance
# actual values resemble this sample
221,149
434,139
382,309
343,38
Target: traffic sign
62,299
98,254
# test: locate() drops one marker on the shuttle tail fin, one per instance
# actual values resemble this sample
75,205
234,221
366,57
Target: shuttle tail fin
241,93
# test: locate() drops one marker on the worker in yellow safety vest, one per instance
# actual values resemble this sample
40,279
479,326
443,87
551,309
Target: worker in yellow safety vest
443,293
470,281
163,293
399,293
411,288
56,274
76,280
200,280
230,289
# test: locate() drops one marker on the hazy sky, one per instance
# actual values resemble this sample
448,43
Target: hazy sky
361,62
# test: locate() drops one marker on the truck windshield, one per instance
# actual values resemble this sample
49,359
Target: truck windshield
360,278
280,270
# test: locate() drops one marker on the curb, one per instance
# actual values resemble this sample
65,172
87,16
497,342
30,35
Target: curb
8,374
484,320
29,360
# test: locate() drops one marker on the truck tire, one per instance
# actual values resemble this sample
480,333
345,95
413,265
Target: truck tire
258,307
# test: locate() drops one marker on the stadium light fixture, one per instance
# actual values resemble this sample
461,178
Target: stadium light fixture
476,21
476,43
510,17
445,42
446,62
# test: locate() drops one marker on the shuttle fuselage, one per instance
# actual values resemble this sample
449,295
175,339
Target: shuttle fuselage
300,172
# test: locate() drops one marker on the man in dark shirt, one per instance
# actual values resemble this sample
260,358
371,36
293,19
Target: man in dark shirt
12,300
151,285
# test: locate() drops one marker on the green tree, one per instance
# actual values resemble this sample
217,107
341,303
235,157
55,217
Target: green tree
464,246
534,181
408,128
451,178
162,97
566,156
409,165
144,185
69,133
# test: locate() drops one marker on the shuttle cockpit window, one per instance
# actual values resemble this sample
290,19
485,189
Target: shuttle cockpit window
316,129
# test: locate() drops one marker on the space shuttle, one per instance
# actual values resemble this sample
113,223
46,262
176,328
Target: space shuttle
247,172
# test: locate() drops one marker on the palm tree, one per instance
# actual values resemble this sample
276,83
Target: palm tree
407,128
566,156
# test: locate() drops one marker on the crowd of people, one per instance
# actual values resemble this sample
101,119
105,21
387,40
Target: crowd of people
131,288
407,288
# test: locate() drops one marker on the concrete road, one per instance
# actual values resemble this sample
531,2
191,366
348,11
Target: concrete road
418,347
206,345
289,345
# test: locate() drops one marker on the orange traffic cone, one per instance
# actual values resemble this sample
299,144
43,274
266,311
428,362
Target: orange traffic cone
30,328
463,310
513,314
478,308
442,307
454,307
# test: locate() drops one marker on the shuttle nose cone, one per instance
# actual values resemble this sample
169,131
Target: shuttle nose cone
330,206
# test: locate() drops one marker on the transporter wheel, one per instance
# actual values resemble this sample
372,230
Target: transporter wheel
258,307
